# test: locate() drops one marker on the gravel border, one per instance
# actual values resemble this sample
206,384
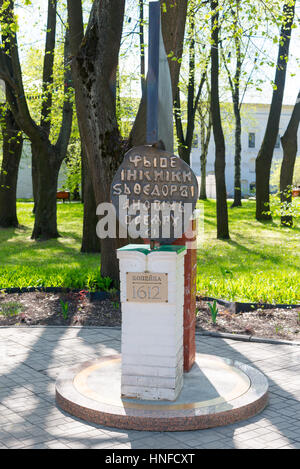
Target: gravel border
233,306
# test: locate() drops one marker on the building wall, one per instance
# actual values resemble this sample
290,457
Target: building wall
254,120
24,186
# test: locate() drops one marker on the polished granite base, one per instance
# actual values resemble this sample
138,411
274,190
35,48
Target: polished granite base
216,392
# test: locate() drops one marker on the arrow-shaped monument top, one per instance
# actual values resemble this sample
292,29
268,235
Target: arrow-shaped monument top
159,87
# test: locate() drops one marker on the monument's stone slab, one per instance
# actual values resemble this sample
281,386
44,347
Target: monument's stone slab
216,392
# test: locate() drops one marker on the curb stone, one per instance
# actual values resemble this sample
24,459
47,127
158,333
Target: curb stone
238,307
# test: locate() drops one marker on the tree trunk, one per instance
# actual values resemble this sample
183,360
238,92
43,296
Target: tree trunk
222,211
184,153
289,145
185,142
48,67
45,225
93,69
142,46
12,151
205,139
173,21
265,155
203,195
49,159
90,240
234,83
237,202
34,177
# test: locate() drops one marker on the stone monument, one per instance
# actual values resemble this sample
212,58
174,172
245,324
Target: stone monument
145,388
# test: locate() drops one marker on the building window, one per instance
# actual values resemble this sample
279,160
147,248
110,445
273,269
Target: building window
244,187
277,144
252,165
251,140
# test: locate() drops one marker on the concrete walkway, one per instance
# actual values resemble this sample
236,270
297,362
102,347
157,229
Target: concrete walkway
31,358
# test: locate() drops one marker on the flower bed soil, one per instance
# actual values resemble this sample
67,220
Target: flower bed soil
45,308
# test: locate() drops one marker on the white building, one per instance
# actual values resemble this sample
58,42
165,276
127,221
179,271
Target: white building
24,185
254,121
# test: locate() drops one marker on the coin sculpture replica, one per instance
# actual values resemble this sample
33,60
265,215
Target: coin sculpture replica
154,193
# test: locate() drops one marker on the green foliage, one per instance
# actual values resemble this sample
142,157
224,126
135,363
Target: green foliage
275,174
64,309
213,311
280,209
11,308
73,162
32,78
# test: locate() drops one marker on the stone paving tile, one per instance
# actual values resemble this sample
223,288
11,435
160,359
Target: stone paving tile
32,358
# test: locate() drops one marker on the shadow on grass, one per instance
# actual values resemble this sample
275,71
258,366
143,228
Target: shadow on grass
276,259
9,233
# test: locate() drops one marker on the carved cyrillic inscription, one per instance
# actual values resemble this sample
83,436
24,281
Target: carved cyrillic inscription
155,188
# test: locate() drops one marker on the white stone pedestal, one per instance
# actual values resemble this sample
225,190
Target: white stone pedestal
152,330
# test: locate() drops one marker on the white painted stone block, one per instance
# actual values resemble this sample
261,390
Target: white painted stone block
146,370
154,393
153,360
152,333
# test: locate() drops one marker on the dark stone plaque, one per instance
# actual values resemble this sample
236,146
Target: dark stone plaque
154,193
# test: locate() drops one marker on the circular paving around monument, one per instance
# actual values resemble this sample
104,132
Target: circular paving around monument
216,392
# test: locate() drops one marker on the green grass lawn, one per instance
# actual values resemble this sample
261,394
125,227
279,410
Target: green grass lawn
58,263
261,262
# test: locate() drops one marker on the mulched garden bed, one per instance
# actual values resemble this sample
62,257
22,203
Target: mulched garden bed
77,309
275,323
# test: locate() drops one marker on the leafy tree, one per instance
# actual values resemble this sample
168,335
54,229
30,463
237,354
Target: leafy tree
73,169
205,124
234,82
90,241
95,69
222,211
193,92
47,157
275,175
265,155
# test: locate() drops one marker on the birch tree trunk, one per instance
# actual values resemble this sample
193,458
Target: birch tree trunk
222,211
265,155
289,145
